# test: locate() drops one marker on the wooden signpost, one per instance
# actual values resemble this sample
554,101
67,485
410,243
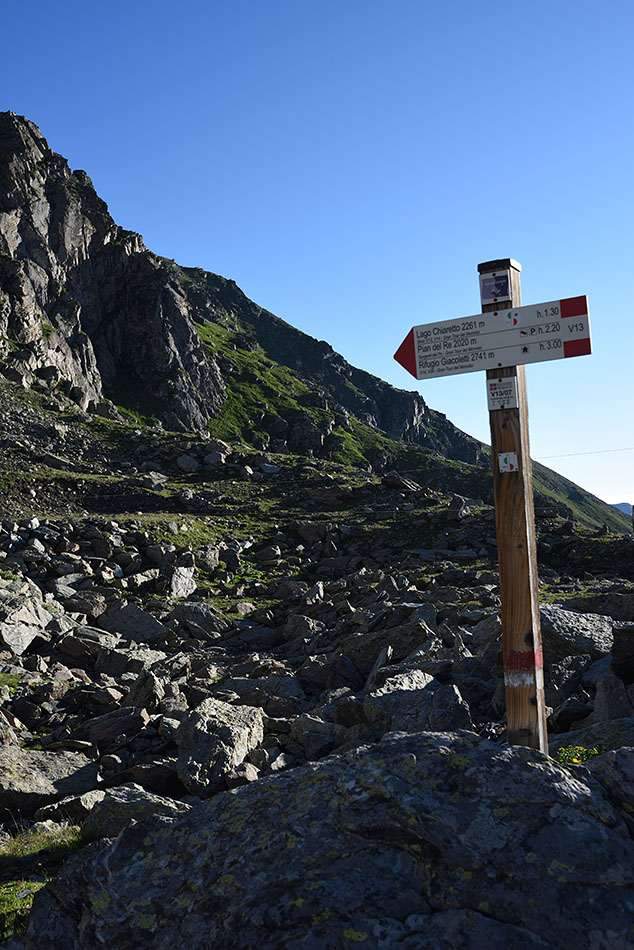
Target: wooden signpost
500,340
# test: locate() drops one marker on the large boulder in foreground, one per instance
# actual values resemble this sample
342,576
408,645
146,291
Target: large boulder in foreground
435,841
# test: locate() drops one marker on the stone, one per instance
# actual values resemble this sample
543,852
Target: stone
212,459
30,779
567,633
423,841
86,642
120,726
312,531
611,701
242,775
119,806
615,771
179,581
7,735
188,463
73,808
611,734
616,604
214,739
316,737
88,602
132,623
200,618
208,557
415,702
147,691
116,662
157,775
22,615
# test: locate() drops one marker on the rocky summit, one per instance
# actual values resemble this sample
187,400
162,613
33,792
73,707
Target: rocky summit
251,684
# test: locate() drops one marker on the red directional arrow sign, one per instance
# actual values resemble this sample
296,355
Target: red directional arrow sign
506,337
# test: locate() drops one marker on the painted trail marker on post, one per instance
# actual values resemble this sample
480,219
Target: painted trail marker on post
500,340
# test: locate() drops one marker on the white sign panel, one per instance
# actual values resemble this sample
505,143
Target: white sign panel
502,393
506,337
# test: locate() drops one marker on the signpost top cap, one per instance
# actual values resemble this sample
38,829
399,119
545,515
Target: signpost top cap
505,263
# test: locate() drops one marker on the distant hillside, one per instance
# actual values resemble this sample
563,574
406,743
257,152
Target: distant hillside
624,506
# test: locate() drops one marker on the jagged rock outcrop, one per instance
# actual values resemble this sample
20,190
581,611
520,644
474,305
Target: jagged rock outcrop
82,300
85,306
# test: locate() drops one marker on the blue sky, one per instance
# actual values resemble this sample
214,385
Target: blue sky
350,163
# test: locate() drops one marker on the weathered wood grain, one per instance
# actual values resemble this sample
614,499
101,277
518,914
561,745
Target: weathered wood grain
515,527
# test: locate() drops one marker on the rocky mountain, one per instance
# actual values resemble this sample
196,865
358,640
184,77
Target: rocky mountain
251,681
625,507
89,314
86,305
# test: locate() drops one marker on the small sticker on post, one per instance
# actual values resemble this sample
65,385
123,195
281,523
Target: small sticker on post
502,393
495,287
508,462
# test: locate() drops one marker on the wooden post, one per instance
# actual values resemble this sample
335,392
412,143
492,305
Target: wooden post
517,550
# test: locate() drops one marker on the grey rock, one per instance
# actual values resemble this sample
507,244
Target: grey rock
316,737
416,702
30,779
615,771
567,633
7,735
363,648
611,701
299,626
119,806
159,553
119,726
132,623
147,691
595,671
188,463
22,615
208,557
88,602
116,662
72,808
212,459
201,619
428,841
214,739
617,604
179,581
563,678
86,642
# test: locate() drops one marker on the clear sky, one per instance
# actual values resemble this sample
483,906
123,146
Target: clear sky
350,162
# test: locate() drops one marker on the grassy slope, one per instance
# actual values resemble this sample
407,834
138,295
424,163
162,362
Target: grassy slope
260,385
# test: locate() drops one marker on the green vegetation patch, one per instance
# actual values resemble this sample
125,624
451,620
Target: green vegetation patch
256,386
27,862
10,680
575,754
